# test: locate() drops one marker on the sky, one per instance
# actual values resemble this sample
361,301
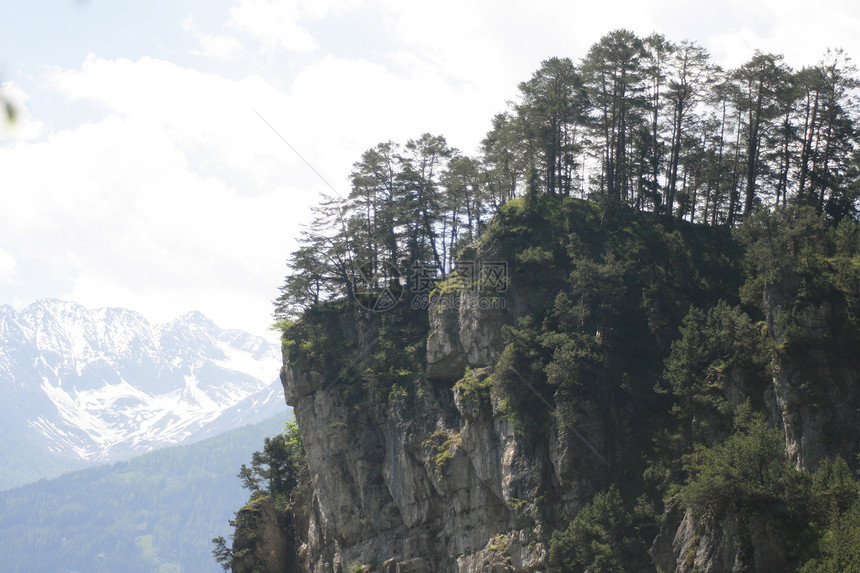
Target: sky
166,154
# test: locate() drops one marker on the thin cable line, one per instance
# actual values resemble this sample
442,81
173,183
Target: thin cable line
574,430
299,155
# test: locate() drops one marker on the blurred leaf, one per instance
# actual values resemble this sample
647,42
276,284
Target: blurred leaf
11,112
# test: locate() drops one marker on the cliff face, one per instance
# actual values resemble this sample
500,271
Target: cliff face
442,481
732,543
469,453
264,536
815,378
812,397
436,481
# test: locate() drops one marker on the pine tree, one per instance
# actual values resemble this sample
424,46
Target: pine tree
552,114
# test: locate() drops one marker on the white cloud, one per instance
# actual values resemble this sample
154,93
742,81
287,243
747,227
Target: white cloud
177,198
180,197
281,24
8,267
501,42
803,34
360,103
207,117
222,46
733,29
275,24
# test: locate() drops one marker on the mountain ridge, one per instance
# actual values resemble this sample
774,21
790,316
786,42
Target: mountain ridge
99,385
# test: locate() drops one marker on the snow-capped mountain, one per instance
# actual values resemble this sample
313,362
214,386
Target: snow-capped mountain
101,385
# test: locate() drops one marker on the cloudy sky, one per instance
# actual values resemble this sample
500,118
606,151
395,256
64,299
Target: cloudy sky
139,174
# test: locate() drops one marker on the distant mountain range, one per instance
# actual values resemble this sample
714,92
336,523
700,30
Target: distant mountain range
82,386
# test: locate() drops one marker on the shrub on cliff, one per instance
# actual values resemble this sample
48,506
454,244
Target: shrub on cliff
601,538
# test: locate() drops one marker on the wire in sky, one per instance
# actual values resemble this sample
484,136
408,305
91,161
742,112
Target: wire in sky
299,155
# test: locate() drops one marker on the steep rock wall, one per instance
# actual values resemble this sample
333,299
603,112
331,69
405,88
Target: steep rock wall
814,393
812,397
438,480
731,543
264,536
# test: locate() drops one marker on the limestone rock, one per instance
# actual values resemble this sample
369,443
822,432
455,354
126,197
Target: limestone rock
264,540
726,544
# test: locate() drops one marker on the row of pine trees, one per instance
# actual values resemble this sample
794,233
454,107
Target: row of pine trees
643,122
658,126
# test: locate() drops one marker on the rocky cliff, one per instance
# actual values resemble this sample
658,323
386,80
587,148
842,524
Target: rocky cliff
811,396
437,480
444,482
488,435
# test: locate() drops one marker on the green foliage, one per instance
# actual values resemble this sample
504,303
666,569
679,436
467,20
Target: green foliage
325,342
400,348
748,472
441,445
799,256
520,377
576,372
715,351
835,509
789,245
636,317
414,204
316,339
840,546
748,476
834,490
222,553
640,123
806,271
276,469
629,317
475,391
601,538
276,473
618,284
553,103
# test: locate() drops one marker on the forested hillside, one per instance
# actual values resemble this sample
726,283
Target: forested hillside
624,337
153,513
